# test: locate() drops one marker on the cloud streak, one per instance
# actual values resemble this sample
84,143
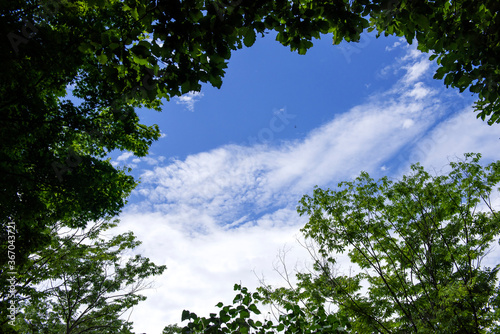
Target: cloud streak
223,184
189,99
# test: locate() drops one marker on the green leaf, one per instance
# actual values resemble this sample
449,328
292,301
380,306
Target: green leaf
140,61
185,87
95,270
84,47
216,81
254,309
249,37
186,315
102,58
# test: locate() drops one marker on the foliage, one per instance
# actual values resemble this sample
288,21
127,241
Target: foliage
172,329
114,56
237,318
83,283
51,158
73,73
418,244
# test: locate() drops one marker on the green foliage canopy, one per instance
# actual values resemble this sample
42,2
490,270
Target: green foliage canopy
115,56
172,329
418,244
83,283
238,318
119,55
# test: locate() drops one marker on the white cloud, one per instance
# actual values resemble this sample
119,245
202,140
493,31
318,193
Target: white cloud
419,91
216,216
416,70
402,41
415,64
226,181
189,99
203,267
125,156
408,123
150,160
460,134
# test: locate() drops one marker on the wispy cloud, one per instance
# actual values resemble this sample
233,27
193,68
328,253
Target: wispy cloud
414,63
395,45
459,134
416,71
189,99
125,156
128,159
227,181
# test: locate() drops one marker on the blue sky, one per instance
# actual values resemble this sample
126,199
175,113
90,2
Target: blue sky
267,77
218,192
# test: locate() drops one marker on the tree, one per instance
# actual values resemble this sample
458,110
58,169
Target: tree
51,158
417,246
237,318
83,283
172,329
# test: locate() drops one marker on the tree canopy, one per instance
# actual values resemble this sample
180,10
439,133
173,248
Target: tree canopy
83,282
419,244
417,247
73,72
172,329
